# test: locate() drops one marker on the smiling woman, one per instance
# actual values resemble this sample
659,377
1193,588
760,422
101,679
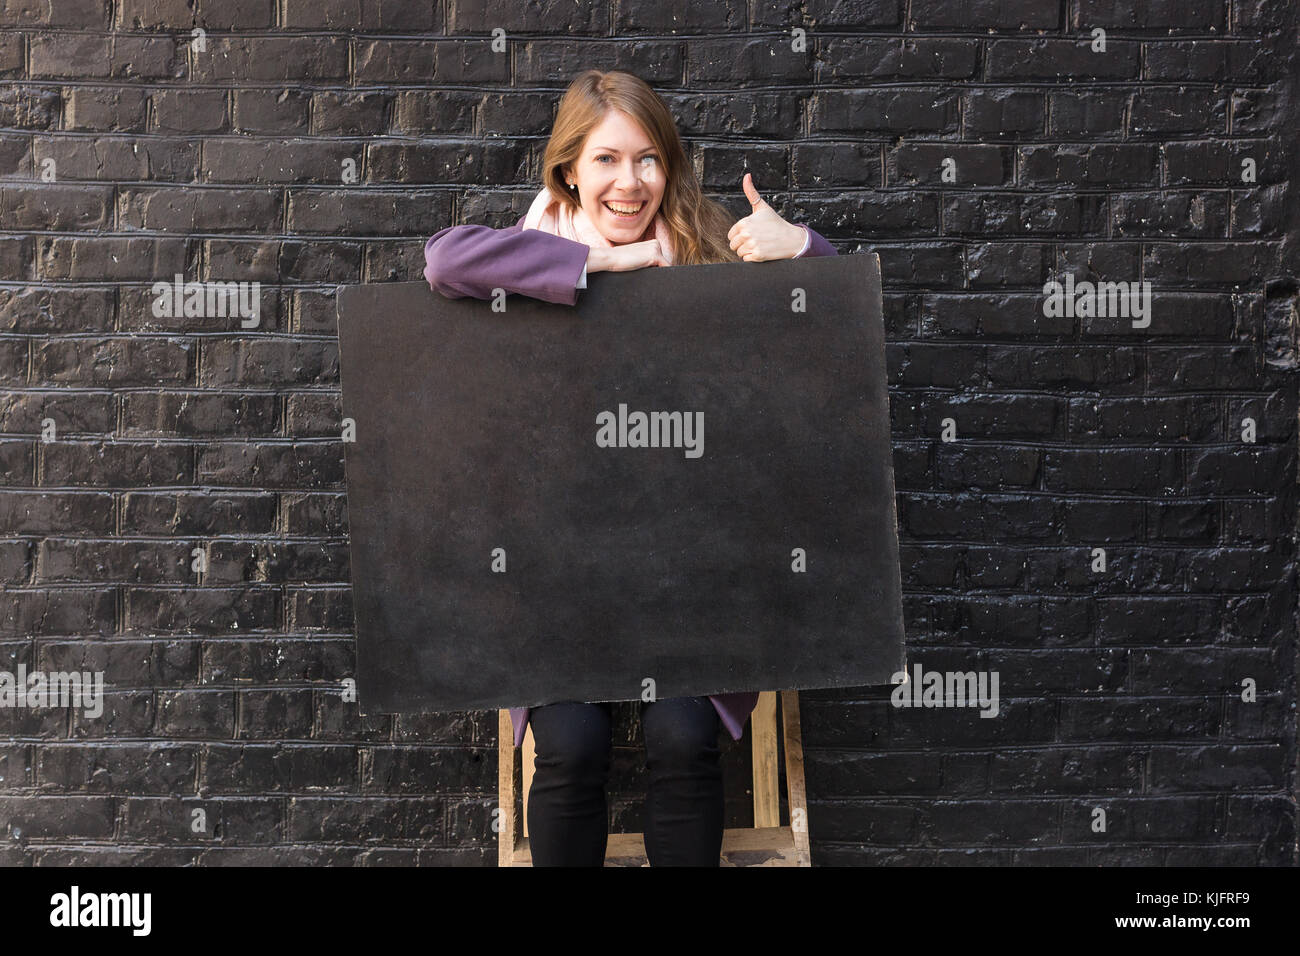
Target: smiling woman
620,185
618,193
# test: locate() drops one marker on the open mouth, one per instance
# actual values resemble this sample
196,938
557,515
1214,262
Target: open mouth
625,210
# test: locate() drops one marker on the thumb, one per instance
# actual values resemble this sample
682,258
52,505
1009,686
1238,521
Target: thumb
751,193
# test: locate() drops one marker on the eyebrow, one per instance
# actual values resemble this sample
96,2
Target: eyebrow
611,149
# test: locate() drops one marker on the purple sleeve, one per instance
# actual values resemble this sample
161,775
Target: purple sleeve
473,260
819,246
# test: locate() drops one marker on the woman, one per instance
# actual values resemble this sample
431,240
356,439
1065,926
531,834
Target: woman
618,194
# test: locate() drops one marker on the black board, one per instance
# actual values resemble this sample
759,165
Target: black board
476,429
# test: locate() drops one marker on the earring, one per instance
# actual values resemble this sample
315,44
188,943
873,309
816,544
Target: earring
573,186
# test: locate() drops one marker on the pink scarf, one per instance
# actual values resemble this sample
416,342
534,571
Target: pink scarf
548,214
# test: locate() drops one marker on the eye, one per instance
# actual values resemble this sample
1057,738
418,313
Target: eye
652,157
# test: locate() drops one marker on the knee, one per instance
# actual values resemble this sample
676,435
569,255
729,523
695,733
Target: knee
576,746
681,733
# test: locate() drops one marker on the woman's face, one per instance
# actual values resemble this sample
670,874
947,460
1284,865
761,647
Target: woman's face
619,165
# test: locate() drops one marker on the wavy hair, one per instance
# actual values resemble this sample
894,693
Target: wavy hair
698,225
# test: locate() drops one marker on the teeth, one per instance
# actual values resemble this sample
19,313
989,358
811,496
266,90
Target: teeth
625,207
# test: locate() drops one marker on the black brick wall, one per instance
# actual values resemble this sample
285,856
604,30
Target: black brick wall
1120,690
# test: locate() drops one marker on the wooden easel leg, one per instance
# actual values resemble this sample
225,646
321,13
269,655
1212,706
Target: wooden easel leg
507,837
530,765
798,795
767,788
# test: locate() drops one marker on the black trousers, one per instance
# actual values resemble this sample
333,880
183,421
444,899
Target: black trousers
568,822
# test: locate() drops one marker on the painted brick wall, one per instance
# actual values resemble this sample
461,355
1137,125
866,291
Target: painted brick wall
131,150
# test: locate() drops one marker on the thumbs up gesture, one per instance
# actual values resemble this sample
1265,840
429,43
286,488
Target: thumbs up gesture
763,234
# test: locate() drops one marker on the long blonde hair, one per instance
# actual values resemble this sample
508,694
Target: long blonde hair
698,225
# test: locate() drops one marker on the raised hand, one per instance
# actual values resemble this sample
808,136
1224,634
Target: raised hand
763,234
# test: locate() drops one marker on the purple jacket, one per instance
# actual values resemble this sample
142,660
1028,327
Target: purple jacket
473,260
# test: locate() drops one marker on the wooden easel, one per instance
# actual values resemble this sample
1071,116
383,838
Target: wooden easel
767,843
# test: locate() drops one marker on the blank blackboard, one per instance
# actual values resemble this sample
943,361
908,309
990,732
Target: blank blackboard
514,544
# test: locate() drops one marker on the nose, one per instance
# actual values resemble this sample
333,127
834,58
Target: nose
628,175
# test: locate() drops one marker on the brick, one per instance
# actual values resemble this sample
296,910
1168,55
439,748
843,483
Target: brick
1007,264
12,53
417,111
324,609
315,466
60,818
978,15
278,112
406,16
656,62
1052,59
172,15
271,58
240,15
43,512
230,562
169,820
1087,165
1201,214
924,164
418,62
997,114
125,663
1221,163
1094,113
836,164
314,415
112,361
204,611
187,210
30,108
1162,15
1256,111
1067,214
100,259
121,109
994,316
120,158
269,362
131,767
205,513
478,163
338,819
1207,264
239,160
1208,61
199,414
1162,113
848,58
275,714
61,611
189,111
350,114
278,769
76,56
75,414
866,13
114,465
49,310
885,111
1073,770
359,212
